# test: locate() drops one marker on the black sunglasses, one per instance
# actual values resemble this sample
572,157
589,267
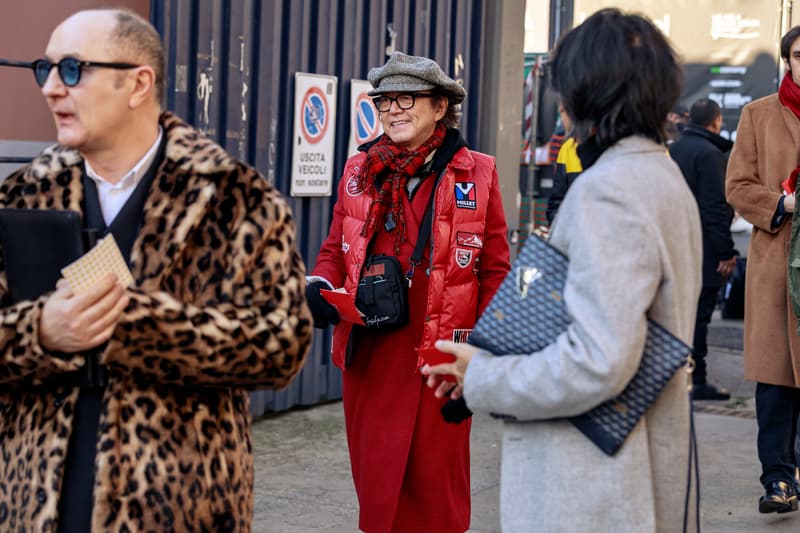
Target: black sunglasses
69,68
403,100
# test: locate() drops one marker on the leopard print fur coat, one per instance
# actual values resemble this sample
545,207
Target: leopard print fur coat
217,308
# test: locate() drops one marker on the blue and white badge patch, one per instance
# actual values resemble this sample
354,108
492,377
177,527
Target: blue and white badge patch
466,197
463,257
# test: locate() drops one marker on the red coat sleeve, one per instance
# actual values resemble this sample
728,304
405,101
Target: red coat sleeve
494,264
330,261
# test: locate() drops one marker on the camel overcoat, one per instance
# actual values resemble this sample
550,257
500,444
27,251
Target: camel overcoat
766,151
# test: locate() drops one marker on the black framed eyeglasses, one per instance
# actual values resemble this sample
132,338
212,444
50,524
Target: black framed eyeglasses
69,68
404,100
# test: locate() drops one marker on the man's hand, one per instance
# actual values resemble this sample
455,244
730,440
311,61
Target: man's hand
464,354
726,267
788,203
71,323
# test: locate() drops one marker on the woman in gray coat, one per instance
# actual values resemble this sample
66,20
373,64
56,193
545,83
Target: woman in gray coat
631,230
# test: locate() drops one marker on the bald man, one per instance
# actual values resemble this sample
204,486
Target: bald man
126,408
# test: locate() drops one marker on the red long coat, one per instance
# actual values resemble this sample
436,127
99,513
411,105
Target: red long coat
410,468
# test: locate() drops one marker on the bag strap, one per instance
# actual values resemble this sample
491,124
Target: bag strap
424,231
693,466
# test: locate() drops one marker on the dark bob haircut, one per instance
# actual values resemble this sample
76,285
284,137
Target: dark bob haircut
617,76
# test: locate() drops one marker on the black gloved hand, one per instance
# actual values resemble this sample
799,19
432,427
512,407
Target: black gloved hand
456,411
324,313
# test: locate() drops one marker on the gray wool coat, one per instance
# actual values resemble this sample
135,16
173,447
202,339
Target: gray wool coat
631,229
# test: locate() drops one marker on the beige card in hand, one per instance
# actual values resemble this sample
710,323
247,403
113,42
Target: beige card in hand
105,257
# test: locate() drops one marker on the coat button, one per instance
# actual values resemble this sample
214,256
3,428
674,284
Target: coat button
427,319
58,402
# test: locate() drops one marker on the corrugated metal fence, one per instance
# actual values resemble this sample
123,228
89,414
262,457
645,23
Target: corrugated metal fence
230,72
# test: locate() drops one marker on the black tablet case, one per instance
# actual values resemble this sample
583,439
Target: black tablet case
36,245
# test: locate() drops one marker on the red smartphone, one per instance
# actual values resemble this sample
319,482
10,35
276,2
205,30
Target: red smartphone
433,357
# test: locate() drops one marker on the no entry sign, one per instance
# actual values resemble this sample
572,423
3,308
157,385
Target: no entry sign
313,140
364,121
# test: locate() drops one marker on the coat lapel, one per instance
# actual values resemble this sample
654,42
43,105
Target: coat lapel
173,210
184,185
52,181
792,124
413,214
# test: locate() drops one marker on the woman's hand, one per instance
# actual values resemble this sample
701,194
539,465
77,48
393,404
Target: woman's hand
458,368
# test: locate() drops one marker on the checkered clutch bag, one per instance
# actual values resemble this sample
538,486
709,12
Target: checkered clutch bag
528,313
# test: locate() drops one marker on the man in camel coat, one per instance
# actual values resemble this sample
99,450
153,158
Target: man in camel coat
766,153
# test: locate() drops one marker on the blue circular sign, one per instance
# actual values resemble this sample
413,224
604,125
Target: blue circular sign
367,125
315,115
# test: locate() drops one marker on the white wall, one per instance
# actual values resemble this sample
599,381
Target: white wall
537,25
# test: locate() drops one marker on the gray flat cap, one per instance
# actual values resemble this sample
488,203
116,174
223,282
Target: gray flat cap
405,73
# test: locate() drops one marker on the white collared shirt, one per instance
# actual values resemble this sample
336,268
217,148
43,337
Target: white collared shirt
112,196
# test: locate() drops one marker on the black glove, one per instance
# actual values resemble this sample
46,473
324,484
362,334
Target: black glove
456,411
324,313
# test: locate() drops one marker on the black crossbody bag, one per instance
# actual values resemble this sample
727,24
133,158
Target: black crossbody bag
382,293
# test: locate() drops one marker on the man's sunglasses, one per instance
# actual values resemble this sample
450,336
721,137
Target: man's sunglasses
69,68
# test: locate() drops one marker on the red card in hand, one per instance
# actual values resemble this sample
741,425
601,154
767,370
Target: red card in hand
434,357
343,303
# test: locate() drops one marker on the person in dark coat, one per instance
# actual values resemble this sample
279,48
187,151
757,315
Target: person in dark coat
702,156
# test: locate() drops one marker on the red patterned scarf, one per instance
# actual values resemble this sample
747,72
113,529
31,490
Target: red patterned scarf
789,94
394,165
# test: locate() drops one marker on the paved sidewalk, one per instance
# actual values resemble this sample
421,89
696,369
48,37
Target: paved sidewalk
303,482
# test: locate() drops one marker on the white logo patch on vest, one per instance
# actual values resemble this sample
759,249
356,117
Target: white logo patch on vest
463,257
470,240
352,187
466,196
345,246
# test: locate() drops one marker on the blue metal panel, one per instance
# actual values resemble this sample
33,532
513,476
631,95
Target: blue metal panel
230,72
238,68
209,115
467,62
